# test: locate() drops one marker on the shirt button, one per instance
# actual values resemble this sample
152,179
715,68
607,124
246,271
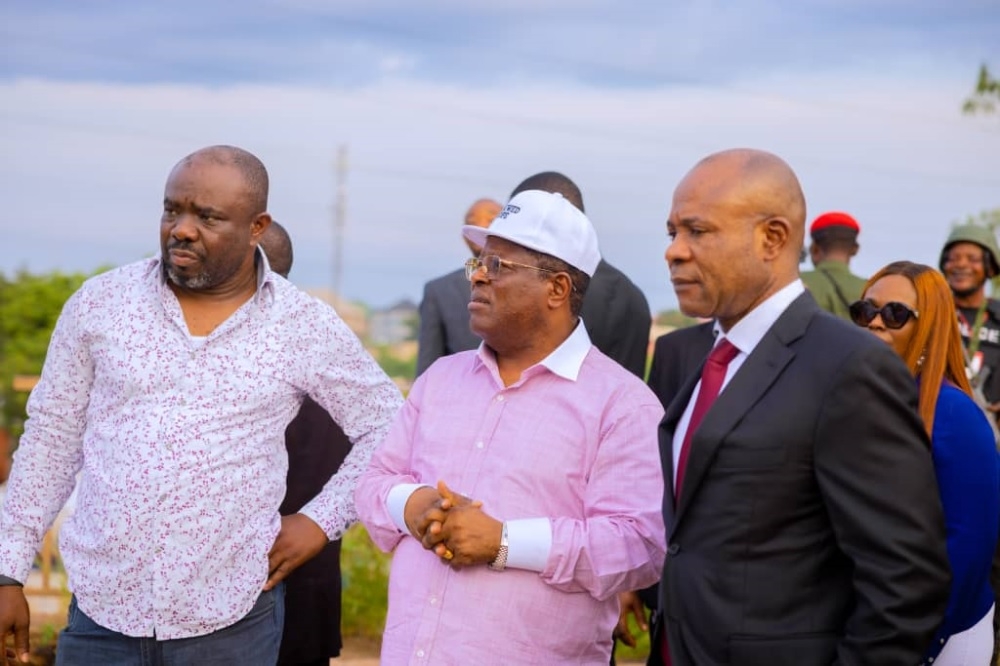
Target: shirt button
479,445
499,398
433,600
420,653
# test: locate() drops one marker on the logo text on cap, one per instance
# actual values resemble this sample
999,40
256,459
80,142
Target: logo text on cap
509,210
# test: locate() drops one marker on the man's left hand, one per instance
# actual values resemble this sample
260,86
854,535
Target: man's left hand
471,535
299,540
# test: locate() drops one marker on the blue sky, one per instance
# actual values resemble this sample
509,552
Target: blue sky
442,102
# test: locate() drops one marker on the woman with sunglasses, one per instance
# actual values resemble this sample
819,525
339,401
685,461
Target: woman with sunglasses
910,307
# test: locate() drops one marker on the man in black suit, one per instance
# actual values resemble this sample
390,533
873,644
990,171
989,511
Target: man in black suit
805,528
444,314
316,447
615,311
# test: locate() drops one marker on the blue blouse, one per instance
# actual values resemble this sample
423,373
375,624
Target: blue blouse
968,474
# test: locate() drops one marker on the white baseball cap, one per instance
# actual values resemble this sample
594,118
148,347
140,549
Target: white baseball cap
544,222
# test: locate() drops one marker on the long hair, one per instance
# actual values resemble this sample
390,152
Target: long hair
935,351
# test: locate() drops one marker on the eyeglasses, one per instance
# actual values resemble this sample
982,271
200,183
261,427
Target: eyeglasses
492,264
894,315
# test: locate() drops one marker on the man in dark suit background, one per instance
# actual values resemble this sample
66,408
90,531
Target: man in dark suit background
677,356
615,311
803,530
316,447
444,314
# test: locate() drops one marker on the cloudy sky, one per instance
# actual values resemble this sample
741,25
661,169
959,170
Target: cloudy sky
440,102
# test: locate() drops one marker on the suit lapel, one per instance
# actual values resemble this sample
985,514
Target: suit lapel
758,372
668,426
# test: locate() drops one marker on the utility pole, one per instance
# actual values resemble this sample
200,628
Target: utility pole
339,218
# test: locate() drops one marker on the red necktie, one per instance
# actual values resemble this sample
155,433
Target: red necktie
712,376
711,383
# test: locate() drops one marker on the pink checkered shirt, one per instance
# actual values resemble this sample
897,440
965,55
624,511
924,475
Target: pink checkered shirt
574,441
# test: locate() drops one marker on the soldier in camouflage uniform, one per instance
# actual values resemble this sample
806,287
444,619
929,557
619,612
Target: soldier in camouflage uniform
970,258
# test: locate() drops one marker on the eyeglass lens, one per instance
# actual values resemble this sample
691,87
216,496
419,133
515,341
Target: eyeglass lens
490,262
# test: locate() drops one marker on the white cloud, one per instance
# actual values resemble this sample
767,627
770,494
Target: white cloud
84,164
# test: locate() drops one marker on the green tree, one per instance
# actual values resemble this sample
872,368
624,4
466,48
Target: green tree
986,95
29,306
403,367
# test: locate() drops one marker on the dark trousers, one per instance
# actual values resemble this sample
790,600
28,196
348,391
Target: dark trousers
252,641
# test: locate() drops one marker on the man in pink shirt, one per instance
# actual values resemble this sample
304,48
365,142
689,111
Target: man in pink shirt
519,486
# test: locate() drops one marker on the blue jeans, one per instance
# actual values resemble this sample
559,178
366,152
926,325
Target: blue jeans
253,641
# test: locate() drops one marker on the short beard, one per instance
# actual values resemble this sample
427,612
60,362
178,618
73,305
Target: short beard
192,283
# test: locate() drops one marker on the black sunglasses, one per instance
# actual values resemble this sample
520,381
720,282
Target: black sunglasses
894,315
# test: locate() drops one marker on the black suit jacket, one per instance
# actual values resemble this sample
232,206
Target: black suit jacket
316,448
808,530
444,319
677,356
617,318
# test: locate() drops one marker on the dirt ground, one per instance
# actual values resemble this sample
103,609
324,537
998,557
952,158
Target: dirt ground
357,652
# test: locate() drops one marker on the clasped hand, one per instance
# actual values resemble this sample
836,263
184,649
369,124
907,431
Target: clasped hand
453,526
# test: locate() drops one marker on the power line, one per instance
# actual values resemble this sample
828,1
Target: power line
579,131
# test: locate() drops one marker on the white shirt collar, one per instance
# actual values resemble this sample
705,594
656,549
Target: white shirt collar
265,276
565,360
747,333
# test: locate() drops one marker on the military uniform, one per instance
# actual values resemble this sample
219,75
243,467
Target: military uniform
834,287
985,363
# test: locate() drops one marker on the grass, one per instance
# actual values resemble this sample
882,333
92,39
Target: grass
640,652
364,572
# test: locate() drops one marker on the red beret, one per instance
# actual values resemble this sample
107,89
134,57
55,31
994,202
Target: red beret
834,219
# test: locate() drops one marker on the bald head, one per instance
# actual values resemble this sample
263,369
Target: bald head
277,245
554,182
481,214
760,183
250,167
736,224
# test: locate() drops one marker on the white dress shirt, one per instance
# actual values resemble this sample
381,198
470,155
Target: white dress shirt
745,335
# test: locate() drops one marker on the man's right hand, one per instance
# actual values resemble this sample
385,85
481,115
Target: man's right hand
14,620
630,605
422,511
425,513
